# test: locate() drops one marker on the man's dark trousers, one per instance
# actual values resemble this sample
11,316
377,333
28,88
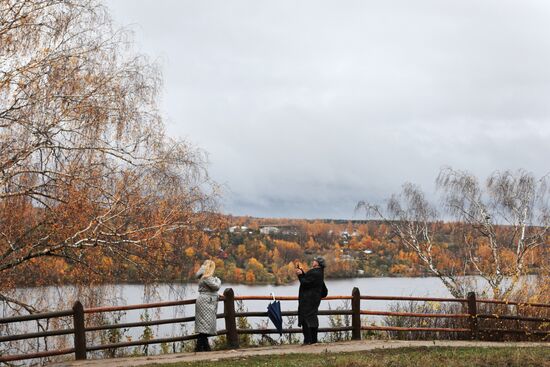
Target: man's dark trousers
310,333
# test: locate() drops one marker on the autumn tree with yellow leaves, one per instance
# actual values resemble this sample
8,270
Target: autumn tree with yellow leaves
88,177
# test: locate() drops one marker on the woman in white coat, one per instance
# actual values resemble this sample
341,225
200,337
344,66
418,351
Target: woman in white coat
207,305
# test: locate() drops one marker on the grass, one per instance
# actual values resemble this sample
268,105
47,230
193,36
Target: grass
401,357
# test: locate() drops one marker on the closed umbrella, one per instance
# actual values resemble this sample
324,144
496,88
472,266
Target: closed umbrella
274,314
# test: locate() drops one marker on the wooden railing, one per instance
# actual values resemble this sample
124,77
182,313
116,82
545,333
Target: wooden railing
79,330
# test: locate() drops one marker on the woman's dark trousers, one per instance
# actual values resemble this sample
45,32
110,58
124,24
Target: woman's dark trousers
202,343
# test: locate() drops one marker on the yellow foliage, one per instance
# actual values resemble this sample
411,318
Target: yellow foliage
250,277
190,252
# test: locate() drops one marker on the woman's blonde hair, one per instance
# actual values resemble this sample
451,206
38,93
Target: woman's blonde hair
209,267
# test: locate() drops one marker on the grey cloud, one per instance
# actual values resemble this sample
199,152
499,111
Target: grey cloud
306,107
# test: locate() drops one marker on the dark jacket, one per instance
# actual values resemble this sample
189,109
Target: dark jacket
312,289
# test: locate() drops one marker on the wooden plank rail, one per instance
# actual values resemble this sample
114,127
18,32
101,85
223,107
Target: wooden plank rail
140,306
78,313
148,323
290,331
36,316
294,313
422,299
398,328
41,334
412,314
286,298
141,324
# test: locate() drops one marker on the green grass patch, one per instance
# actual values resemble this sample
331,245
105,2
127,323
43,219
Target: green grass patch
400,357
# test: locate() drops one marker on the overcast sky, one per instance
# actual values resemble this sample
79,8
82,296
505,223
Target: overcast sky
306,107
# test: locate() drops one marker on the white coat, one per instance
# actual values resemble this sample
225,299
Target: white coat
207,305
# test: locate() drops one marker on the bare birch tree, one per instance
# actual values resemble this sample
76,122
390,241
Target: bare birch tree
499,224
411,220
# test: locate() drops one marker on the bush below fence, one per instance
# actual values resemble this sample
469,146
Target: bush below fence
458,318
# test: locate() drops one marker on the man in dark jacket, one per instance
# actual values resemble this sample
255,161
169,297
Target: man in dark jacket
312,289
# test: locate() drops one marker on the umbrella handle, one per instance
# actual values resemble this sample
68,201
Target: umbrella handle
272,295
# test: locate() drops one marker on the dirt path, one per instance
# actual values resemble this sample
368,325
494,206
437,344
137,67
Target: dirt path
351,346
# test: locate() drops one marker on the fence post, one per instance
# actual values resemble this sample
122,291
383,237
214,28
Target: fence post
356,314
472,311
79,331
230,321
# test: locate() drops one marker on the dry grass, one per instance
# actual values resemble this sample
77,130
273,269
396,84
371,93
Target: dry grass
402,357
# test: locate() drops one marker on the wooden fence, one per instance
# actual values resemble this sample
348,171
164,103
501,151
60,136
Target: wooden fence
79,330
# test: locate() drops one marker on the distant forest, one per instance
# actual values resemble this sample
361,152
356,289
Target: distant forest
260,250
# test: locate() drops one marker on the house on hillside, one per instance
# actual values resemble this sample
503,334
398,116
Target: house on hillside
269,230
236,229
283,229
